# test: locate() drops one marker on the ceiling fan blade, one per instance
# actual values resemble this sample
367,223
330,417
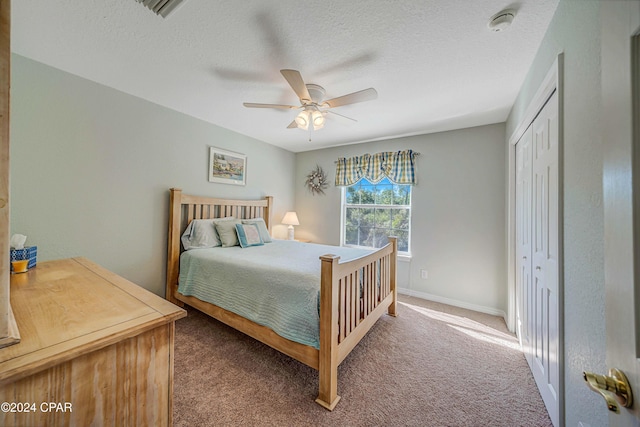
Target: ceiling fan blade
294,79
341,115
352,98
254,105
292,125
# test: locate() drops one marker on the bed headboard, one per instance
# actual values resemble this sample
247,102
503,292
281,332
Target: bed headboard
184,208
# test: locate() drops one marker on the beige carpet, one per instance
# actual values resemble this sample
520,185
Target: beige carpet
433,365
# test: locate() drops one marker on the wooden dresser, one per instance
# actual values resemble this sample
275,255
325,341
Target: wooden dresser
96,349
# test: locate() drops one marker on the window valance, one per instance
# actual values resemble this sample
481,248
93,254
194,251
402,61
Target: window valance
398,166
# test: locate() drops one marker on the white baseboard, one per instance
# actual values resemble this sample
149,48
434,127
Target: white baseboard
453,302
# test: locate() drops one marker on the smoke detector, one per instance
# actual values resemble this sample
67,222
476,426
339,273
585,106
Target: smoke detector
501,20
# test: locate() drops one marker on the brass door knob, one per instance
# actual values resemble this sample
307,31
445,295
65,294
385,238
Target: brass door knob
614,388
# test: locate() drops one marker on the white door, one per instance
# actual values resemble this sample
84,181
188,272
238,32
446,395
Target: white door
537,252
523,242
621,114
545,279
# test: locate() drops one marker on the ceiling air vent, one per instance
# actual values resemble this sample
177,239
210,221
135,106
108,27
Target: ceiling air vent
161,7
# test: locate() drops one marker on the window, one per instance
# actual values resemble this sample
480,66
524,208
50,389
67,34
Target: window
372,212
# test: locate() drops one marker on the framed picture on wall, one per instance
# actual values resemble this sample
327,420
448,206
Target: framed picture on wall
227,167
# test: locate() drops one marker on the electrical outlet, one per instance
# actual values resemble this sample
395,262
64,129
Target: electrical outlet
424,274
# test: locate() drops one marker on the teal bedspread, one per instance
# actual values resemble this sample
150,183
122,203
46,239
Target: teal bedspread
276,285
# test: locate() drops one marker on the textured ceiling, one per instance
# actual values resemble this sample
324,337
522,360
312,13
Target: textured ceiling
434,63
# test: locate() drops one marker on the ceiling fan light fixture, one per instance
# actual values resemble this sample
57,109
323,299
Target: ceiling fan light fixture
302,119
317,119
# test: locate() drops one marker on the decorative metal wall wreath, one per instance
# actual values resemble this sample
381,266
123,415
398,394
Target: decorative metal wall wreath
317,181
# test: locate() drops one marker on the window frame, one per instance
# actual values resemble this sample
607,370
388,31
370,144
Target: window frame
343,215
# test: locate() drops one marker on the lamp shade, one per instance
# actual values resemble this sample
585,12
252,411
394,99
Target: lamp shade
302,120
317,120
290,218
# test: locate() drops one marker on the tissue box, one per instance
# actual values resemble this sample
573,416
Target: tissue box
29,252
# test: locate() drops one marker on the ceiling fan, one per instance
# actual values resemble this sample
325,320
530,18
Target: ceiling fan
312,103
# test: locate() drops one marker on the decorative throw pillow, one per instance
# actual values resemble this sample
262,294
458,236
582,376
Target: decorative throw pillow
248,235
200,233
227,232
262,228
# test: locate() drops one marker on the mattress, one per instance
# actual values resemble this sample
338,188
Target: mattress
276,285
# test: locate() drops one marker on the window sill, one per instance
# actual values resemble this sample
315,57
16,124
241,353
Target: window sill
402,257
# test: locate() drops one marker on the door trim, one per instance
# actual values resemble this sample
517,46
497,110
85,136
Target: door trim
553,81
635,171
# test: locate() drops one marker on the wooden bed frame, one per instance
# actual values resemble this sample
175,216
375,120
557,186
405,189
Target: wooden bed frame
345,314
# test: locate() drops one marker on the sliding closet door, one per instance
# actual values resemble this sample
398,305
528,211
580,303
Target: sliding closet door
537,252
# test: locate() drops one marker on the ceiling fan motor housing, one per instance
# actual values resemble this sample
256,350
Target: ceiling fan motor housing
317,93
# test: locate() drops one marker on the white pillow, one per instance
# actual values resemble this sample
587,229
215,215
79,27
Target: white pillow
262,228
201,233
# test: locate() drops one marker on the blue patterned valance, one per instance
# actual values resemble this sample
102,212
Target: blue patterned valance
398,166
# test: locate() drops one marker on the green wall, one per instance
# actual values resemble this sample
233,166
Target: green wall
91,169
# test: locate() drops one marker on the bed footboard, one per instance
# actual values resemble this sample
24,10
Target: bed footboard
353,295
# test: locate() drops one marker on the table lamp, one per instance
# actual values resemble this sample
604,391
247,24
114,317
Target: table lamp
290,219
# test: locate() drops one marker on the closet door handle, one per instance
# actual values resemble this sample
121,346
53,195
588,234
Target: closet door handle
538,268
